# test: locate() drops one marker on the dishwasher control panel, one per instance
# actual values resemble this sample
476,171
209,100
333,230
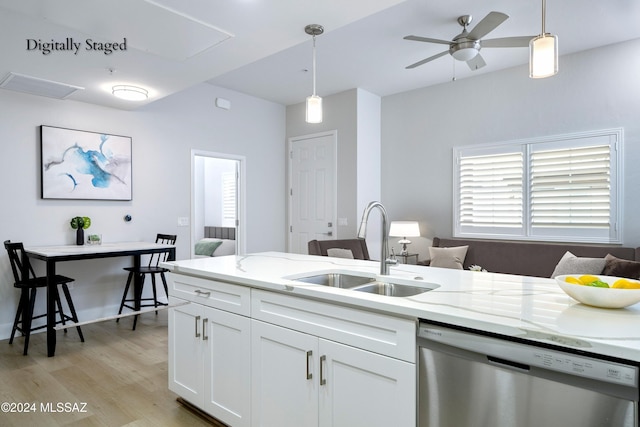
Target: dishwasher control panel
523,355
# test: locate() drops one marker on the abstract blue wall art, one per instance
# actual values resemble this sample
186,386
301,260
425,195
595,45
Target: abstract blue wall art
85,165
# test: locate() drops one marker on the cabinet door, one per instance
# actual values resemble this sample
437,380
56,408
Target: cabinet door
365,389
186,352
227,369
284,377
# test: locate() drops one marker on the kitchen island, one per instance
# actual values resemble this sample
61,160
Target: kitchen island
271,313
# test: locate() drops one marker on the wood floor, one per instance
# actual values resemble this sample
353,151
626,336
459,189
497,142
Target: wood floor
117,377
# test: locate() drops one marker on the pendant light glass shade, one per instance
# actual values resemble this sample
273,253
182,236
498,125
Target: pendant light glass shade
314,109
314,102
543,52
543,56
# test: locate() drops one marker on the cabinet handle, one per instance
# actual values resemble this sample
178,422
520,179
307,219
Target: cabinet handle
204,329
197,321
309,374
203,293
323,360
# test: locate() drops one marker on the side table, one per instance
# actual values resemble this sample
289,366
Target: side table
406,257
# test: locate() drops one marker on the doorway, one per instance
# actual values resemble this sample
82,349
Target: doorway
313,189
217,195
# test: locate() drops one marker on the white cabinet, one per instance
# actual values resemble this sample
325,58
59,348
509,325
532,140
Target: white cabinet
258,358
361,388
285,384
210,354
302,379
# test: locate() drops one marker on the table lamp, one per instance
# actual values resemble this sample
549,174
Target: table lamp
404,229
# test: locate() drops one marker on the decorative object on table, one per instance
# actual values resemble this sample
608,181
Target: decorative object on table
80,223
477,268
600,291
94,239
404,229
84,165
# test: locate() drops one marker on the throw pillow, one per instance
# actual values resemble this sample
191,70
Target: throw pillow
621,267
448,257
207,247
340,253
571,264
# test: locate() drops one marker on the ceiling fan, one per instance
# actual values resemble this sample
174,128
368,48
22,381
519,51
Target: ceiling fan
466,45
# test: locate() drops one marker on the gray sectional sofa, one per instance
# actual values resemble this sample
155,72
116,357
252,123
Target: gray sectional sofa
528,258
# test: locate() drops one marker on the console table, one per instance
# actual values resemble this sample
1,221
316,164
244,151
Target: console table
54,254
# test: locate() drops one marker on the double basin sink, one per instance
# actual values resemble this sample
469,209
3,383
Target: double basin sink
366,284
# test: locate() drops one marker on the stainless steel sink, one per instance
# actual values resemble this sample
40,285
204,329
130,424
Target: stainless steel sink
391,289
366,284
338,280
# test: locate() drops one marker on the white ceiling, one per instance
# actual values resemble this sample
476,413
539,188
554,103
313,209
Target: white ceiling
259,47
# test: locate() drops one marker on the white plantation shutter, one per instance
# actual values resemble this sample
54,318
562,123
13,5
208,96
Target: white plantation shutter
571,187
561,188
229,199
491,191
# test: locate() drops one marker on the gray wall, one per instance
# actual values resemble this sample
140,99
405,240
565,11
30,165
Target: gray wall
164,133
596,89
355,115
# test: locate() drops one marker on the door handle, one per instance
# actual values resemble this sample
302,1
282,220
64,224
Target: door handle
197,321
204,329
323,361
309,374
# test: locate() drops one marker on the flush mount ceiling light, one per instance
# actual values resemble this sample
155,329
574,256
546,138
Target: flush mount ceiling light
130,93
314,102
543,52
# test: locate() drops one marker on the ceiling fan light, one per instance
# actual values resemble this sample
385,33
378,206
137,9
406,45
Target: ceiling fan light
543,56
465,54
314,109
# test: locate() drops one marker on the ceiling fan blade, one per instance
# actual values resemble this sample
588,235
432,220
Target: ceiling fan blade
476,62
424,61
521,41
488,24
426,39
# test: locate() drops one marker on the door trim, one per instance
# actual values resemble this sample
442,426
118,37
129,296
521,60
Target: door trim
290,142
240,200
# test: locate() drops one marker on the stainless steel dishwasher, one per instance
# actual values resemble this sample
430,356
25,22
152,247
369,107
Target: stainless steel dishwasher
471,379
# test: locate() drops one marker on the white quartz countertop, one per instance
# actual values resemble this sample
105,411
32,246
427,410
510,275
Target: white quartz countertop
519,306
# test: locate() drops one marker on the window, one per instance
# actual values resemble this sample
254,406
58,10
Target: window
561,188
229,199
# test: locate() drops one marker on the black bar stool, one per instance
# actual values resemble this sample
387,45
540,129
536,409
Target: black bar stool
151,269
28,283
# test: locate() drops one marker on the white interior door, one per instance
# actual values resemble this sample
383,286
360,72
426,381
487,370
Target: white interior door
312,167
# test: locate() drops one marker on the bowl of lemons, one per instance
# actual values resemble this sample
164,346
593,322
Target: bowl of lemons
600,291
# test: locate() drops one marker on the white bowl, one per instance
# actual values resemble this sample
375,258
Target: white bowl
600,297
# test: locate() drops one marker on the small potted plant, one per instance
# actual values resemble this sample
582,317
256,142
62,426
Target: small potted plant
80,223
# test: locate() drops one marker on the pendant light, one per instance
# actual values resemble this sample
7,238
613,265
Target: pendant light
543,52
314,102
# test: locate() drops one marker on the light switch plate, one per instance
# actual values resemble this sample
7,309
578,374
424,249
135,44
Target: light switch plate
183,221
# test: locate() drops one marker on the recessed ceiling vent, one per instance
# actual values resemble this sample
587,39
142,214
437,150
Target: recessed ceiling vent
36,86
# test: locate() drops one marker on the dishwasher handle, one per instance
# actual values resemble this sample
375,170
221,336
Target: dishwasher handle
510,364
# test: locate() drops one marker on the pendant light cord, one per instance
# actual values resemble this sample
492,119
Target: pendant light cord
314,65
544,13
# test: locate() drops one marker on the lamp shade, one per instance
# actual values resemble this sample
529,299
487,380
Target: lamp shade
543,56
404,229
314,109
